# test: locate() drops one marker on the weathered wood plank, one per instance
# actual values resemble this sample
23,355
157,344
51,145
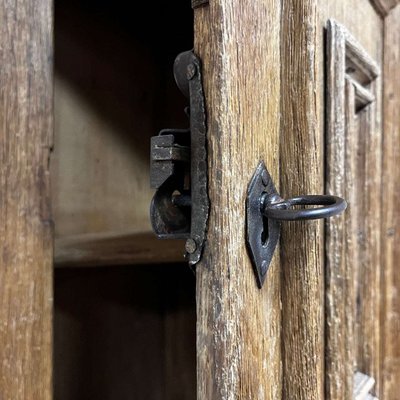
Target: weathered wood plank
301,173
390,211
238,328
26,109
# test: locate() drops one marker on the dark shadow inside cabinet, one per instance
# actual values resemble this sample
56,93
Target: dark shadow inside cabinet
120,331
125,333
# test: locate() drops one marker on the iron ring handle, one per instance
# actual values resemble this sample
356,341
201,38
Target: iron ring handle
279,209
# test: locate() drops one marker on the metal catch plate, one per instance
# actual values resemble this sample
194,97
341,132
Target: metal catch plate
179,164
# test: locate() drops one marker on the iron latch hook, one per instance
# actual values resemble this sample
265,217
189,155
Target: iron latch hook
179,209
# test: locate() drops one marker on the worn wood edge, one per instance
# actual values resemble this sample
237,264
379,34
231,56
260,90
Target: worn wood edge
238,325
350,247
363,96
355,52
384,7
116,248
390,309
26,229
337,384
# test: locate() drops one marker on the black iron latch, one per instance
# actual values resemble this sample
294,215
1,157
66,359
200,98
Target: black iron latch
179,209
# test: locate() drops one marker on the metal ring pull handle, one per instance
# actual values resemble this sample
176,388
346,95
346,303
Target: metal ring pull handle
331,205
265,210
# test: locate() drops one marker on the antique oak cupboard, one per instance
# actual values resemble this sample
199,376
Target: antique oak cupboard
93,305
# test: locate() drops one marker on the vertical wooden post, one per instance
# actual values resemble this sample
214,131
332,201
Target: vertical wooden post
301,173
25,223
238,328
390,320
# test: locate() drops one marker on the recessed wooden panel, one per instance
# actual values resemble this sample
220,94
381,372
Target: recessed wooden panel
353,240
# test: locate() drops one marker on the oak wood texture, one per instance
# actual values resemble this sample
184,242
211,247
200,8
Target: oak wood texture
26,109
130,248
238,325
301,169
301,172
353,240
390,210
365,25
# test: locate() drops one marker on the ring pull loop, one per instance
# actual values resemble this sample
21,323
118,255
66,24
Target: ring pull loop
330,206
265,210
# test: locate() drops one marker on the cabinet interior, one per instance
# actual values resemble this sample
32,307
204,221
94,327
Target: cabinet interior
124,301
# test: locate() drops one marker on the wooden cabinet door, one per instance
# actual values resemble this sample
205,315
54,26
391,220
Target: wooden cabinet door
310,88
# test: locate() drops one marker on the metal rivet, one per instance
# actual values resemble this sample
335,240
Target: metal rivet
191,71
265,177
190,246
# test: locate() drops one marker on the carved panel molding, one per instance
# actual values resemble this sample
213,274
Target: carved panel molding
353,145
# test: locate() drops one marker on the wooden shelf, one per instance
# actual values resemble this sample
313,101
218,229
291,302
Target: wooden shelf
116,249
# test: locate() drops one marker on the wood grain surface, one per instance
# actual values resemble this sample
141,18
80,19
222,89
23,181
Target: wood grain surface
26,110
301,167
238,325
390,211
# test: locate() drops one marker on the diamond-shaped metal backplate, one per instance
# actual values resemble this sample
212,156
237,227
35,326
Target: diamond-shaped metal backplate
262,235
